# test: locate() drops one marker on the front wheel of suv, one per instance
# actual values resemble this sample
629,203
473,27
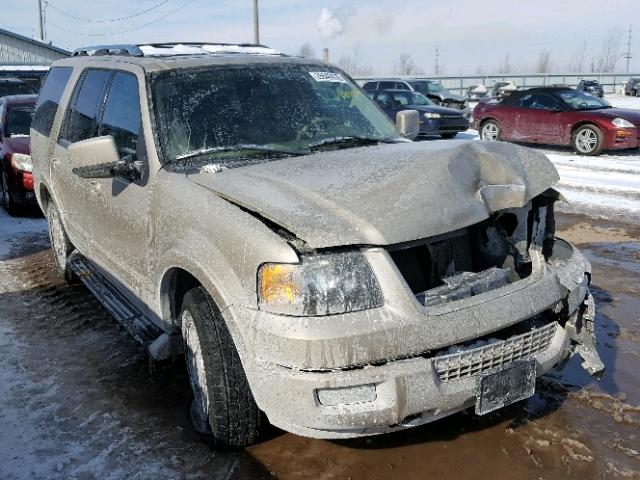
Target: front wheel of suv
587,140
223,408
60,243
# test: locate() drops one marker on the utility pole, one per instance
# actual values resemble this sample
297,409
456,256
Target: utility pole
437,58
628,55
41,18
256,25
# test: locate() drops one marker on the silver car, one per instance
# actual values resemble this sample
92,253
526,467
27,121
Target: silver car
260,214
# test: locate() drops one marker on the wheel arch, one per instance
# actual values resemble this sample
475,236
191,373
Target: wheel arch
175,283
43,196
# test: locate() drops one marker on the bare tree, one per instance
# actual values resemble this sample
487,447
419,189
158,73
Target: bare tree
505,65
306,50
543,65
354,64
578,61
406,66
609,54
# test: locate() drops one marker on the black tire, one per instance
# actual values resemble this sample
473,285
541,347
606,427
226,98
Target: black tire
222,396
587,140
60,244
496,131
6,196
448,135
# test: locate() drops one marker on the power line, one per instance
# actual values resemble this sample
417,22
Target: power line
89,20
133,29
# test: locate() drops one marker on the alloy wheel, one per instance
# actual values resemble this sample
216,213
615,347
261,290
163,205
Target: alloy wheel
195,364
586,140
490,132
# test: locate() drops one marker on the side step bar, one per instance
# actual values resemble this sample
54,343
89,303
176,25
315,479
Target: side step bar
161,345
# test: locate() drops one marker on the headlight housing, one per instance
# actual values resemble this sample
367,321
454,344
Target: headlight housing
321,284
431,115
622,123
22,162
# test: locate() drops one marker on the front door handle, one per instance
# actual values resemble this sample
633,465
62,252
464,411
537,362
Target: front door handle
94,187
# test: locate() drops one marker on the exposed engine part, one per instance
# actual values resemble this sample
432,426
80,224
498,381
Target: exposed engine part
465,285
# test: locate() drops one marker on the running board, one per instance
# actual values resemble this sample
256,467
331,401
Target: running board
139,326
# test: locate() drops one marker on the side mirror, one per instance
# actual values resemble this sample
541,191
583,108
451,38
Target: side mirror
99,158
408,123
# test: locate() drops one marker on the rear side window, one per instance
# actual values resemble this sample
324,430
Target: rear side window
81,119
387,85
370,86
49,99
121,118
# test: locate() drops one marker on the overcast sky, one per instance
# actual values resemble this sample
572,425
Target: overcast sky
470,34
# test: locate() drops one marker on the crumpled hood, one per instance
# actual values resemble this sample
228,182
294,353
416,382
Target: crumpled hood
386,194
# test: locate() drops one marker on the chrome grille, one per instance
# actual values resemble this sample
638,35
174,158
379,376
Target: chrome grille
471,362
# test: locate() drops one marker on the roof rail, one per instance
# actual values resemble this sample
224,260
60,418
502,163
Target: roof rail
131,50
173,48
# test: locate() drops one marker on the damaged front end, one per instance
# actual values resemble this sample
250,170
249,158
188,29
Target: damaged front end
511,245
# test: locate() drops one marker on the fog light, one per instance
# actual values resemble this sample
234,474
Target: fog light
347,395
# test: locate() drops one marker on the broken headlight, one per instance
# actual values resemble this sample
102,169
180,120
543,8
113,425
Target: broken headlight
321,284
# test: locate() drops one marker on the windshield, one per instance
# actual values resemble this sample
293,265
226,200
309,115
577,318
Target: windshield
15,88
19,121
264,109
578,100
424,87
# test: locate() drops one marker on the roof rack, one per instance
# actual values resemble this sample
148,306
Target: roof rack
175,48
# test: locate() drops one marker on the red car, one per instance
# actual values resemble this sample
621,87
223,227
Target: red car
559,116
16,180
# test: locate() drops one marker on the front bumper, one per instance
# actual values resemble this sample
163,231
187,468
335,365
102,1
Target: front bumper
331,391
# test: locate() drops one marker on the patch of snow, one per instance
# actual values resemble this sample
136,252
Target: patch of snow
212,168
180,49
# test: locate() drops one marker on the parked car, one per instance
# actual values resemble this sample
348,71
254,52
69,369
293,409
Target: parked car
16,180
632,87
429,88
308,260
591,86
559,116
434,120
500,88
15,86
477,92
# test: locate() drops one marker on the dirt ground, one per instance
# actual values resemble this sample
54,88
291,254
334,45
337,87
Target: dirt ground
79,399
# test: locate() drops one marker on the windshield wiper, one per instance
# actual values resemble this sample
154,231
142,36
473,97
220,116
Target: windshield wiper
239,148
348,141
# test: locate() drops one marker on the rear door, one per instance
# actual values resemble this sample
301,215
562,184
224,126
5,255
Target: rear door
79,123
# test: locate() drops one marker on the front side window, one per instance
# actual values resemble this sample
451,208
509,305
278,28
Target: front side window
81,119
19,121
49,98
121,118
281,107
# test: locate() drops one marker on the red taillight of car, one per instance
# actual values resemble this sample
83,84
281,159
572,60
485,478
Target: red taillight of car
27,181
21,162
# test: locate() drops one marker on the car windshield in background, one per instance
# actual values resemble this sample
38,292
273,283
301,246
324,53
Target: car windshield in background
15,88
578,100
262,110
19,121
410,98
424,87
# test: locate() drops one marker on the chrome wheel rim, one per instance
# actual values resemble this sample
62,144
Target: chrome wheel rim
195,363
586,140
490,132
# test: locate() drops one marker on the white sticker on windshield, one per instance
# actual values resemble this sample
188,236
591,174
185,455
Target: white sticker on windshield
327,77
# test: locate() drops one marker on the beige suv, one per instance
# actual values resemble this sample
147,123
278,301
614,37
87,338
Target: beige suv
258,213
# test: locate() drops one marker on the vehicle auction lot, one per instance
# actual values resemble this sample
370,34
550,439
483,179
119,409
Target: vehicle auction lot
80,399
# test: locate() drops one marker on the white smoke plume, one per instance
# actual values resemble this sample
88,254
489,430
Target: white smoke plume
334,22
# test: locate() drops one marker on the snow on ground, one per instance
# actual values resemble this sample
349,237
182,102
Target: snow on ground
604,186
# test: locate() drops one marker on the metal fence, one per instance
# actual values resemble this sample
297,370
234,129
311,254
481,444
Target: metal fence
460,84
